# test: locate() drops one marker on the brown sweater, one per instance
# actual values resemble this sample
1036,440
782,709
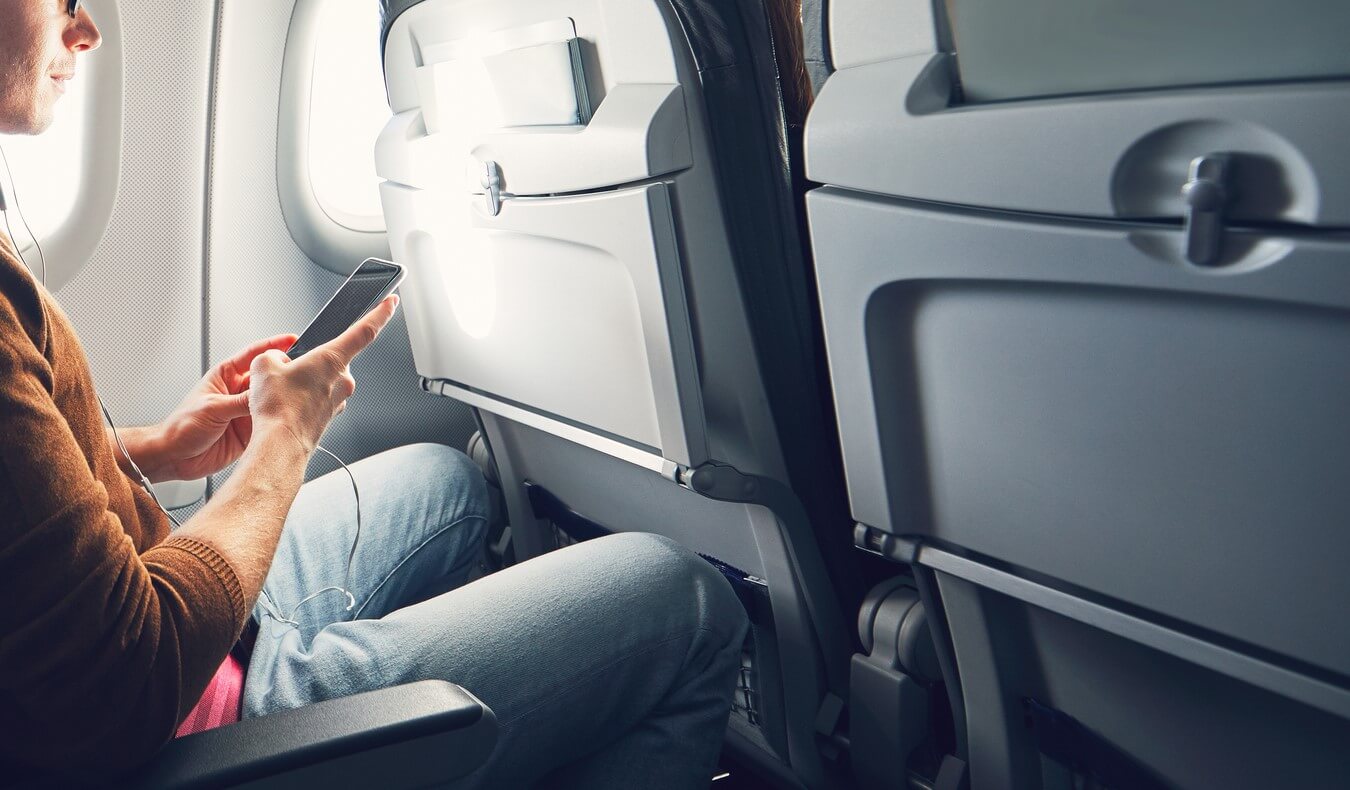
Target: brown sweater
109,628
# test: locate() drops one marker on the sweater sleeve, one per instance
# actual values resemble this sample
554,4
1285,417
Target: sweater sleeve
102,650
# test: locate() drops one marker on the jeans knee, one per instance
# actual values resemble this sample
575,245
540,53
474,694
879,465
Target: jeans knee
723,613
451,476
678,574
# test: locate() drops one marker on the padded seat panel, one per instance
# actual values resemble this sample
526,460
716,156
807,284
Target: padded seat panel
1048,394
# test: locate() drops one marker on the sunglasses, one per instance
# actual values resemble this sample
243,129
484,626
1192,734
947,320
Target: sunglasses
72,7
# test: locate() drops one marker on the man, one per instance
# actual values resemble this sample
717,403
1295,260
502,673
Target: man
608,664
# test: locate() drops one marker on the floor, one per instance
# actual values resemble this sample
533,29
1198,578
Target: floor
730,776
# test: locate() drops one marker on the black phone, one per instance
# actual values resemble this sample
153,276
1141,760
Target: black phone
373,280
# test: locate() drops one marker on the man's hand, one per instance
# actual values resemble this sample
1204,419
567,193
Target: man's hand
211,427
291,403
300,397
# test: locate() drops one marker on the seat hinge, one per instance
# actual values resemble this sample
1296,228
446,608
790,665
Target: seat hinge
1206,194
720,481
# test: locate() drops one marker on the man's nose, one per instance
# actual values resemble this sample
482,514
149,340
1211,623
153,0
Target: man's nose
83,36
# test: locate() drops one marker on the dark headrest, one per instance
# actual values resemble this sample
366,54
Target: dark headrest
389,11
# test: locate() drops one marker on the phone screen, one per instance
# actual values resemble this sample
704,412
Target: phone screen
372,281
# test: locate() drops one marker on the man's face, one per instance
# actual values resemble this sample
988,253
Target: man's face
38,44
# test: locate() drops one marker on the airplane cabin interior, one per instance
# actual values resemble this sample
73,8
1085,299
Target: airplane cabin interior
994,355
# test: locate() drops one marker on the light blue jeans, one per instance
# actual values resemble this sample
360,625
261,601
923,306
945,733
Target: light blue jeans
608,664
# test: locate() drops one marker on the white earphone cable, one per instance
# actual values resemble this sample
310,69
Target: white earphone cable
345,589
9,176
144,481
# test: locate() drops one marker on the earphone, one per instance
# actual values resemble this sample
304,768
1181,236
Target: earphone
4,208
121,446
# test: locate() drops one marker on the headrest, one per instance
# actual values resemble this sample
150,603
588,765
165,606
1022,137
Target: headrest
390,10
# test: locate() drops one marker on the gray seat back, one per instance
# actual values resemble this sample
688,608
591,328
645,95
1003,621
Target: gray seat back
576,211
1110,425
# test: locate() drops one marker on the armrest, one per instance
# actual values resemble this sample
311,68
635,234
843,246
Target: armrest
414,735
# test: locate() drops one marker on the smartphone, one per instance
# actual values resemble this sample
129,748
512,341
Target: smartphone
373,280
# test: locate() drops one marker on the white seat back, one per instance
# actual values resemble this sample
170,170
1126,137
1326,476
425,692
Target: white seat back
544,271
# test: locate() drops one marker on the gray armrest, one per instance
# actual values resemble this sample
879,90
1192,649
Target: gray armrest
415,735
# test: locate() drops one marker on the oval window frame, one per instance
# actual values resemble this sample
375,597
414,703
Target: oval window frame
331,244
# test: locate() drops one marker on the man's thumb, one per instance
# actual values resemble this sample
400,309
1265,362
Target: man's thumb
233,406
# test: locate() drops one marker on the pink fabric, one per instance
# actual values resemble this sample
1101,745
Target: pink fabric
220,703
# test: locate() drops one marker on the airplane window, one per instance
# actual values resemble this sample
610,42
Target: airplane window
49,168
346,113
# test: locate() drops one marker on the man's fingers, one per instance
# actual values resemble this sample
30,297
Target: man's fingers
267,360
241,361
362,333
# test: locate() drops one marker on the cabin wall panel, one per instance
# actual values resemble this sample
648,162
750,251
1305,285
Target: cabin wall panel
137,303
